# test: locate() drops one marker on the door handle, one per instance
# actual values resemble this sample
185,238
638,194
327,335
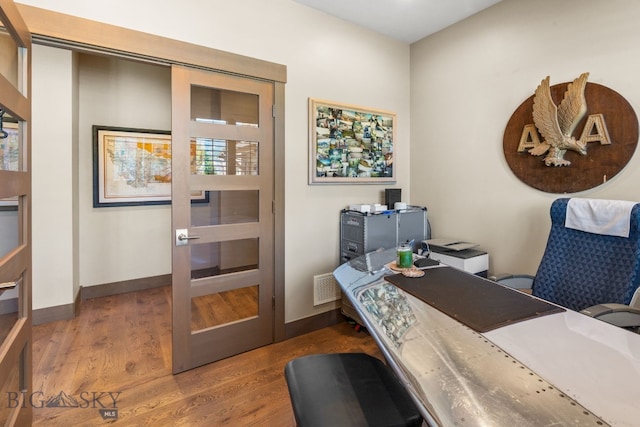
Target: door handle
182,237
185,237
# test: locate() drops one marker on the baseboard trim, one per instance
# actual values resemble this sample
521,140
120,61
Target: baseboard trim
69,311
78,302
115,288
313,323
58,312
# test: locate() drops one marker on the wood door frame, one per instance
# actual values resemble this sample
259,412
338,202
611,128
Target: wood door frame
82,35
15,349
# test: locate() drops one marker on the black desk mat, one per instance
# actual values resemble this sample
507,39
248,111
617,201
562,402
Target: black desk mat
473,301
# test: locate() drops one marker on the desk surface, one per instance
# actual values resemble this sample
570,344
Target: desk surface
558,369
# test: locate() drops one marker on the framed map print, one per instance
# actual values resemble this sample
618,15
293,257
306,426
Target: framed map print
132,167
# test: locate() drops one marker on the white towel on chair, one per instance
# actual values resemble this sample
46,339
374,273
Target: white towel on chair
610,217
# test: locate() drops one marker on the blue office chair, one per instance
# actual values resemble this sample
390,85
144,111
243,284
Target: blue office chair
592,260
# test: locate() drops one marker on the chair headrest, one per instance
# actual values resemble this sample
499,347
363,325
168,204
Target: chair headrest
609,217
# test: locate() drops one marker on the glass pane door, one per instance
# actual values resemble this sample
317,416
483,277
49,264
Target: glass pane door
222,142
15,218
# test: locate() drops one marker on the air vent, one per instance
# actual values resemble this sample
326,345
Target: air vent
325,289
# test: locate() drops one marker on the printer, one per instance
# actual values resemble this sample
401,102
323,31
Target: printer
458,254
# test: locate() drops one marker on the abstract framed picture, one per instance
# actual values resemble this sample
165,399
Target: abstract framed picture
132,167
349,144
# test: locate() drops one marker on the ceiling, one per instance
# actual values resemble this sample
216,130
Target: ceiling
404,20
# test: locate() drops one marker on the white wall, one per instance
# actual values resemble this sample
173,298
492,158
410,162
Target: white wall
75,244
467,80
121,243
54,281
325,57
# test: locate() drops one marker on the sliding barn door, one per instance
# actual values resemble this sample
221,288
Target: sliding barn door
222,215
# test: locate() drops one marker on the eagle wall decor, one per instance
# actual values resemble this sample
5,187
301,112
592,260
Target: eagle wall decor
556,124
563,122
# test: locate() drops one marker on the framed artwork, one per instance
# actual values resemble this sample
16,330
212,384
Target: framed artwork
10,147
350,144
10,158
133,167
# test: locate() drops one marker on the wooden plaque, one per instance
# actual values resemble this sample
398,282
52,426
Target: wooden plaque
602,161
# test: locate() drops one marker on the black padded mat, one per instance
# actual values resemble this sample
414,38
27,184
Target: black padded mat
478,303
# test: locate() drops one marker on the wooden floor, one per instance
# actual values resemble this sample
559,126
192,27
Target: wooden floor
119,347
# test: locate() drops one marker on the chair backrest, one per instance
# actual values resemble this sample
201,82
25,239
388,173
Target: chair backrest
580,269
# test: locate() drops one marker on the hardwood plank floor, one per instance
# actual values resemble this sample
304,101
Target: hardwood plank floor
121,345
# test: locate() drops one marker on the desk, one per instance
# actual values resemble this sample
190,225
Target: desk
563,368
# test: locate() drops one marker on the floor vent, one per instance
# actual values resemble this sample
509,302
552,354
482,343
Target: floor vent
325,289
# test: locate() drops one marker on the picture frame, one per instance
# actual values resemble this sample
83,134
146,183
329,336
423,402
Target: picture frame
132,167
350,144
10,158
